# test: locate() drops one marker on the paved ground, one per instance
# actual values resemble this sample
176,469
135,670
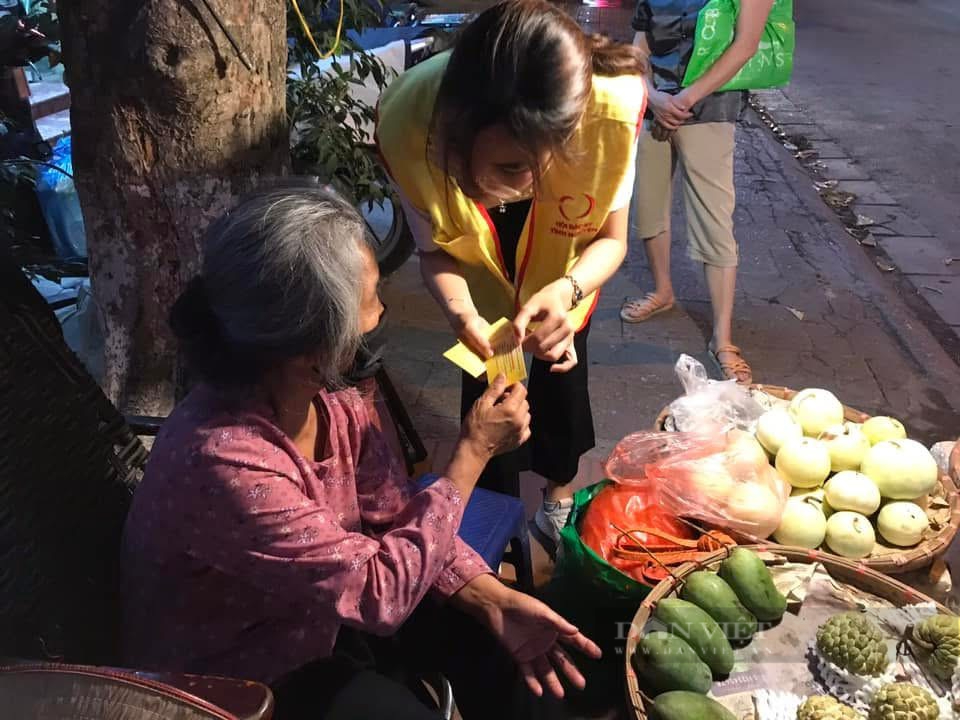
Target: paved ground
879,78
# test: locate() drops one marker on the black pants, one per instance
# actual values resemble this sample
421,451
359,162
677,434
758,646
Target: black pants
371,677
561,424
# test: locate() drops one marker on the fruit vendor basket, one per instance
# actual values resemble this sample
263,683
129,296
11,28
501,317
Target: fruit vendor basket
955,464
944,510
842,571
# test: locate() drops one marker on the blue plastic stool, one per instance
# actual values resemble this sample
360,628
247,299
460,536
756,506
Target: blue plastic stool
495,525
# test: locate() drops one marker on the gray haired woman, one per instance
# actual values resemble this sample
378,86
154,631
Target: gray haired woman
275,536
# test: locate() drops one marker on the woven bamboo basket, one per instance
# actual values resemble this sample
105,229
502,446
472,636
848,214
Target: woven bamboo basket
945,521
777,391
955,464
842,570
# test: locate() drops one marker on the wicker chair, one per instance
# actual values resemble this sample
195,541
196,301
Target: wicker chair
68,466
68,692
69,462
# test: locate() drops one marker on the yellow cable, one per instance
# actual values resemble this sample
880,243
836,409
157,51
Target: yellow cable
306,30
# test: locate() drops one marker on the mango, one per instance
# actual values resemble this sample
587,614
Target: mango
711,593
664,662
691,623
750,579
688,706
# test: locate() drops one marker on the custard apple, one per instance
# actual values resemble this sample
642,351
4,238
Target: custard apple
854,643
938,640
824,707
903,701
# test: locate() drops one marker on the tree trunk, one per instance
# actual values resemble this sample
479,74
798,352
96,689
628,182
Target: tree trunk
168,127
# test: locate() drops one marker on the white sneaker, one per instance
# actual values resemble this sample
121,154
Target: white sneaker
550,518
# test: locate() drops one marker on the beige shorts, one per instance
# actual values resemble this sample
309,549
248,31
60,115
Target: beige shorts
704,154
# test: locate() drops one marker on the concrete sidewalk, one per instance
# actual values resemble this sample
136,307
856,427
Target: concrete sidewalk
882,117
923,268
812,310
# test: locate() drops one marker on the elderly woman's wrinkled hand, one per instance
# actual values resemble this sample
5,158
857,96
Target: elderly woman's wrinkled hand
499,421
537,638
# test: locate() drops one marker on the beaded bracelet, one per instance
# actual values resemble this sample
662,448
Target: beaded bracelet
577,292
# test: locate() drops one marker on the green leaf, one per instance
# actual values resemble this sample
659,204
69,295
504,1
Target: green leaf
377,70
330,139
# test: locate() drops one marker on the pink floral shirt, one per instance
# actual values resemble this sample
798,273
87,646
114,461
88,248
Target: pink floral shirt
242,558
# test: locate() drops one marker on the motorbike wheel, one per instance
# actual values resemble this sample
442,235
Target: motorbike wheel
388,234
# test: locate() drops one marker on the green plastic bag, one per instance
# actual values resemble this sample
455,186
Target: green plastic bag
770,67
578,564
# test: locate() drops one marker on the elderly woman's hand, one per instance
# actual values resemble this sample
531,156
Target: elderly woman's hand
534,635
499,421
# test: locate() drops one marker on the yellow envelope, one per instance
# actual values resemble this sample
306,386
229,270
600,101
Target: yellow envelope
507,359
465,359
507,354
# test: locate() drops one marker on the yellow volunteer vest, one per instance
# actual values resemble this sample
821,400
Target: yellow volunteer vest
571,208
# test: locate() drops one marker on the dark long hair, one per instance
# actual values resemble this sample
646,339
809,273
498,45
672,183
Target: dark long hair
525,64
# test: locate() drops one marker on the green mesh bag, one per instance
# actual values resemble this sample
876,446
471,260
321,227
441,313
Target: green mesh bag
578,564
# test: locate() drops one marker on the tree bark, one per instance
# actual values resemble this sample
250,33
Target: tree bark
168,128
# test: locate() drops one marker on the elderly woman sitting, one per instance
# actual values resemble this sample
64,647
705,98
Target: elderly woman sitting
275,536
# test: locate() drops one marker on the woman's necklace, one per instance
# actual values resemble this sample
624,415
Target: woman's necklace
502,207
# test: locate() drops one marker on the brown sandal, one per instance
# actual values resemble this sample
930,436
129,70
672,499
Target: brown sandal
736,369
638,311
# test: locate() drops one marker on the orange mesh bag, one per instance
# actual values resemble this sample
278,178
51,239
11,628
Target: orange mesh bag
622,513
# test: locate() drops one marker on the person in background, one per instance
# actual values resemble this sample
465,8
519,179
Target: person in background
276,538
514,159
20,45
692,129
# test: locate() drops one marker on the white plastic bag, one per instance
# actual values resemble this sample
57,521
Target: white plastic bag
723,479
711,406
941,453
